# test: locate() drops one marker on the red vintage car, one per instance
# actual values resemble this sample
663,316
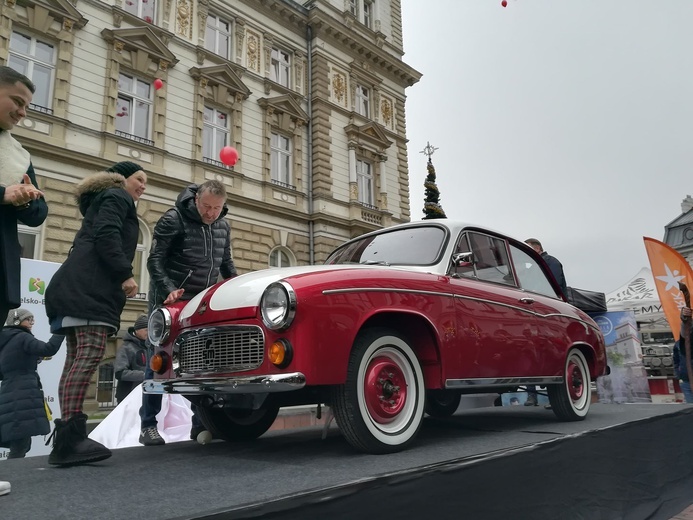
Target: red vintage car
397,323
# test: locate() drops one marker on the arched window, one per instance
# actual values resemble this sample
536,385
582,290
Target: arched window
139,263
281,257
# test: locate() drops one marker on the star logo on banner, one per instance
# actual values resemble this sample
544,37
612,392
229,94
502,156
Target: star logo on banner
671,279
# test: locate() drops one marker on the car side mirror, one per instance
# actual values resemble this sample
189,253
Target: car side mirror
465,259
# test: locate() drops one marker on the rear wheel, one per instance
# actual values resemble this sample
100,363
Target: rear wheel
380,407
233,424
571,400
442,403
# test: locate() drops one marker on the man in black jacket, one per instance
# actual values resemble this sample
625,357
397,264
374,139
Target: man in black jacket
557,270
190,249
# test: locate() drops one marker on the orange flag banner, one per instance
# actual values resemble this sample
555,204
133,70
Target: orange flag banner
669,268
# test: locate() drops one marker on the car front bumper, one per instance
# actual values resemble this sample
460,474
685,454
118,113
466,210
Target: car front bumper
261,384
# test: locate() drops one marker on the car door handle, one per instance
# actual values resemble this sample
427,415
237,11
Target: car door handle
527,300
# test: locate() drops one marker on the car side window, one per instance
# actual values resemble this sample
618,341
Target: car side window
491,261
530,274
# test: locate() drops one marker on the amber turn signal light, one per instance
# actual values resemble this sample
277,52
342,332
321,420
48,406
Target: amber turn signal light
159,362
280,353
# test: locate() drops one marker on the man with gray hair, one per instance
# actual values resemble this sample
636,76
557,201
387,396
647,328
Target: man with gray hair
190,249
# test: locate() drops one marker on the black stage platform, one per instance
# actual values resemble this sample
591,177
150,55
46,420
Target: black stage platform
623,461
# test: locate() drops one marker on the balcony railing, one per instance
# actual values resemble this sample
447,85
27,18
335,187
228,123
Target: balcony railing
284,184
216,163
135,138
39,108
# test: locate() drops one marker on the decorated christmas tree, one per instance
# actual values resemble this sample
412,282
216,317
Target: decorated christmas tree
432,207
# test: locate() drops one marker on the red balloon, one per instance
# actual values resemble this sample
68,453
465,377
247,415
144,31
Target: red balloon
504,3
158,84
228,155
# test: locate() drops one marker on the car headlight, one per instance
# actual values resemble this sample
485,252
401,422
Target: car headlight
159,326
278,306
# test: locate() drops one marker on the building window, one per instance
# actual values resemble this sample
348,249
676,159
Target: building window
363,11
105,386
141,8
36,60
134,109
281,62
368,14
364,180
218,36
281,159
139,263
279,257
354,7
362,102
29,240
215,133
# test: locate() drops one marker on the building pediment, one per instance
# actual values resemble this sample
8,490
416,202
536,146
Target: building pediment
371,134
224,75
286,104
61,10
141,39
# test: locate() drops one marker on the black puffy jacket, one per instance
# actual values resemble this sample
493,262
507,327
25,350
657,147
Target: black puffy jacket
22,412
187,253
89,283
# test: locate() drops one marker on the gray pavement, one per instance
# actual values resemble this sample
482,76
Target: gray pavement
186,480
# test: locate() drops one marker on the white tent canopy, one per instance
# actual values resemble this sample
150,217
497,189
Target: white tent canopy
640,296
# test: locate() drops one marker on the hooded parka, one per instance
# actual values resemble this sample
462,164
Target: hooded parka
22,409
89,283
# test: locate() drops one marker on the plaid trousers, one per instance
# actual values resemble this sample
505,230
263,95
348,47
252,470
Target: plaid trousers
85,349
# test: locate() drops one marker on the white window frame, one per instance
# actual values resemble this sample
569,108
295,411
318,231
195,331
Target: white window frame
33,61
215,25
362,101
354,7
36,233
136,7
133,99
280,69
142,278
365,182
211,130
367,10
281,155
275,257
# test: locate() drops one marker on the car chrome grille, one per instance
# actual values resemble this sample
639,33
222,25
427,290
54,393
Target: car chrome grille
221,349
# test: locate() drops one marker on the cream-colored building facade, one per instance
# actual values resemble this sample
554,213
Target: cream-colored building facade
311,94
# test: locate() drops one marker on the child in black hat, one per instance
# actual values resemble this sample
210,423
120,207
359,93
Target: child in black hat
22,406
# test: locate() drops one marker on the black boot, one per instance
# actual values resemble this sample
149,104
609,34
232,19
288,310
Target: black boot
71,445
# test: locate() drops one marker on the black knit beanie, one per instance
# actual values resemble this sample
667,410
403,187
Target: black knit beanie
125,168
141,322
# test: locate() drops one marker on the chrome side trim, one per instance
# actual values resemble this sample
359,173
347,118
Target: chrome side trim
502,381
261,384
461,297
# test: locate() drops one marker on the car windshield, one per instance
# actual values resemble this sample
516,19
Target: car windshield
408,246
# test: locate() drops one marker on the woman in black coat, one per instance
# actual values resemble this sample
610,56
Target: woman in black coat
87,294
22,408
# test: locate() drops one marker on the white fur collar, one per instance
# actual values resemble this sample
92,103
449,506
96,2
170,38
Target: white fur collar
14,160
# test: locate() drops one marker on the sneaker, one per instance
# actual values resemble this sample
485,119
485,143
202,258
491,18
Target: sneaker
4,488
150,437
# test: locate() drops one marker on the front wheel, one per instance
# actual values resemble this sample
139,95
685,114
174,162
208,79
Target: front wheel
571,400
380,407
232,424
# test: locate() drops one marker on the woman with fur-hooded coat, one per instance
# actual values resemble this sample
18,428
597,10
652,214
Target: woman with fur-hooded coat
87,294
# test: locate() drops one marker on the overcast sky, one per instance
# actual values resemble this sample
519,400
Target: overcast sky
569,121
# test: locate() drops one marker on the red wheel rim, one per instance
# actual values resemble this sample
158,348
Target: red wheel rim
385,389
576,382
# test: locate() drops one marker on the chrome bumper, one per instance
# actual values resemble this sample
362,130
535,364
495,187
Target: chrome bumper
226,385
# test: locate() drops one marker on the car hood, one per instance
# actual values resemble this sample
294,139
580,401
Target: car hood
245,291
